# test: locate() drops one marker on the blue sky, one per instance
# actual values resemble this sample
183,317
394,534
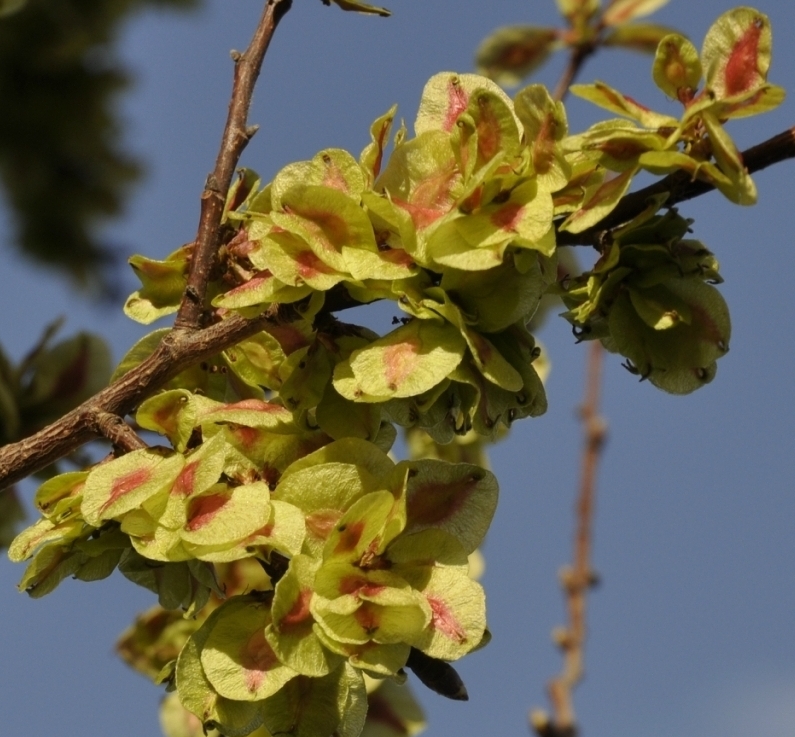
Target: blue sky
692,628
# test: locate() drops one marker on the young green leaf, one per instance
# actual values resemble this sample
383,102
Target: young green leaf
643,37
619,12
677,69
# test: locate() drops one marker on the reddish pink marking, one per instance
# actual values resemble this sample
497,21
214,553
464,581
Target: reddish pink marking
381,143
265,531
299,612
544,145
349,537
421,216
252,284
489,132
433,502
622,149
186,480
166,418
634,102
603,193
618,100
256,404
457,102
359,585
334,177
125,484
518,55
203,510
742,70
443,620
257,658
331,229
483,348
627,14
368,617
400,361
248,436
309,265
290,338
431,198
240,195
320,524
708,327
508,216
241,245
397,256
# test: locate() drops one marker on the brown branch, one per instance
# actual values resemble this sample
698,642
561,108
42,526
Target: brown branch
579,578
681,187
578,57
178,350
120,434
237,134
185,345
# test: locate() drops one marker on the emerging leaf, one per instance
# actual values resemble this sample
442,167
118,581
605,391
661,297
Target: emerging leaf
359,7
619,12
644,37
677,69
163,283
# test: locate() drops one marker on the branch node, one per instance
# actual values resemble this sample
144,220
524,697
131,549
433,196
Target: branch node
251,131
120,434
211,184
192,294
236,56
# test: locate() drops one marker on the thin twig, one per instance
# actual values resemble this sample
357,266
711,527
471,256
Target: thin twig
682,187
177,351
579,578
578,57
236,136
120,434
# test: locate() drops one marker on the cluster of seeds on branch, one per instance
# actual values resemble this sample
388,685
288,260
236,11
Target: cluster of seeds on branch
650,297
734,62
278,445
367,558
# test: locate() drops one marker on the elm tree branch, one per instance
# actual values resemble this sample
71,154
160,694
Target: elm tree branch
120,434
577,579
577,59
178,350
682,187
236,136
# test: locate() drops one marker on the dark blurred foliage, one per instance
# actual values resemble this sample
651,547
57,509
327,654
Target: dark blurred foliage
61,161
51,380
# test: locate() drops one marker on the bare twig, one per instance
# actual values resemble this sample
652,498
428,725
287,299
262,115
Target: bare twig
579,55
577,579
185,345
236,136
177,351
120,434
682,187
